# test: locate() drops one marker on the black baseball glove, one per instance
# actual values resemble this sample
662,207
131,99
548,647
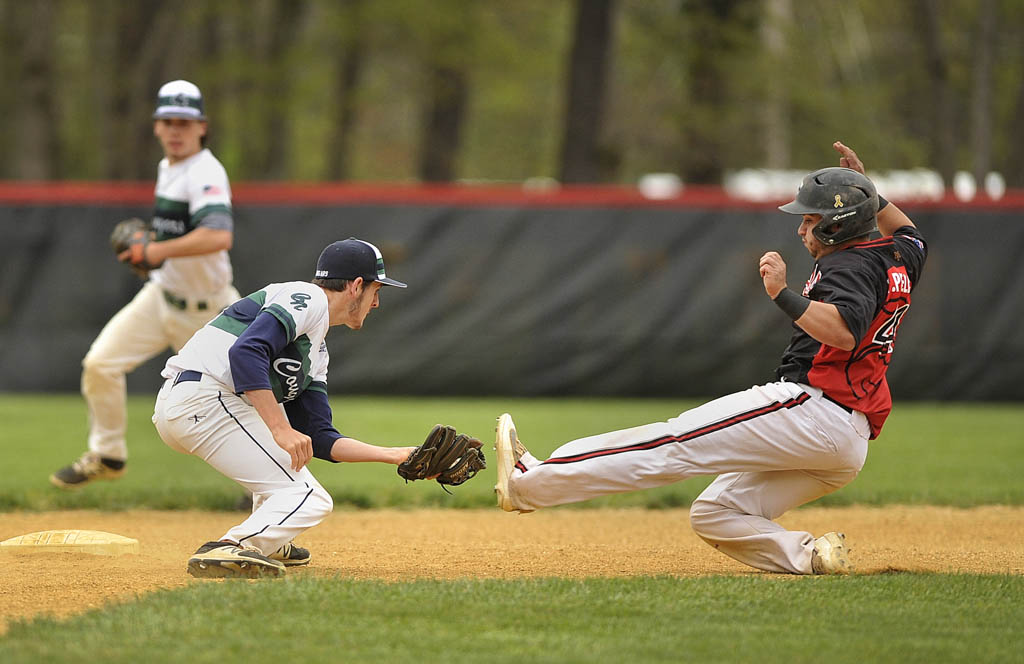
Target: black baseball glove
133,235
449,456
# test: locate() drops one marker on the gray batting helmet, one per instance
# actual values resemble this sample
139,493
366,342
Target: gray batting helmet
845,199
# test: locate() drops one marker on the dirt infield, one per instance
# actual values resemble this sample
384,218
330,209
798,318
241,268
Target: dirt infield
399,545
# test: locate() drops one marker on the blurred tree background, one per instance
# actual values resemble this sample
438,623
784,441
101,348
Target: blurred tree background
466,90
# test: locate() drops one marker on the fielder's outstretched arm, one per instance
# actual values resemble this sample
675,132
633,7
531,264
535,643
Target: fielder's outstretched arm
351,450
310,413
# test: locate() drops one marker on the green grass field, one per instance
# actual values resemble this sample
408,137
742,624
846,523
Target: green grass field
945,454
887,618
959,455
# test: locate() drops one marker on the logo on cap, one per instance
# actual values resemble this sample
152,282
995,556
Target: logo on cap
351,259
179,99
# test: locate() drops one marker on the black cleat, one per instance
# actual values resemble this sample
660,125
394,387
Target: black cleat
291,555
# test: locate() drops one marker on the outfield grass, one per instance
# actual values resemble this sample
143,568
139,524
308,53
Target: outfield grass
942,454
757,618
961,455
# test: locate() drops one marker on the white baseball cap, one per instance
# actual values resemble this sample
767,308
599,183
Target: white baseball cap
179,99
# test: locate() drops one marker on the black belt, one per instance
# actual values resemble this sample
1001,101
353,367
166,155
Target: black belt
844,407
187,376
182,303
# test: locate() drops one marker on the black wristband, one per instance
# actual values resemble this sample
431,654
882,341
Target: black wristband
881,203
794,305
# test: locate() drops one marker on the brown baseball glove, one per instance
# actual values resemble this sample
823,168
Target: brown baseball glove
446,455
133,235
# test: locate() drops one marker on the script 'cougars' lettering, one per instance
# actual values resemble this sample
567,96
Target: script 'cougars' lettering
289,370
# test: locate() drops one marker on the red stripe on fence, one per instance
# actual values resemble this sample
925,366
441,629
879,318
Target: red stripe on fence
13,192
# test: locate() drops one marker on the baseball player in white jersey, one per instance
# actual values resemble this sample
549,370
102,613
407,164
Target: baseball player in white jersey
193,227
248,395
785,443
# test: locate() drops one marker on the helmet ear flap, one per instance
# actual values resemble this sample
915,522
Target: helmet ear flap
826,231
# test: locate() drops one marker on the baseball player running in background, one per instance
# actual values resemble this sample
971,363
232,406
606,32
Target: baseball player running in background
785,443
221,398
193,228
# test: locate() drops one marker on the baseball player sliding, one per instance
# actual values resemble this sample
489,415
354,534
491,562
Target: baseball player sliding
785,443
189,279
222,401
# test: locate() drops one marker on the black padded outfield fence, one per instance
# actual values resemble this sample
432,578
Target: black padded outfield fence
581,292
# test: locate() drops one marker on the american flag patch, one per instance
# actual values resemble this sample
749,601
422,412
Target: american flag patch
212,190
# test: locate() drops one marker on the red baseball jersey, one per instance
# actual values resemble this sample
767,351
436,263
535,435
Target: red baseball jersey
870,284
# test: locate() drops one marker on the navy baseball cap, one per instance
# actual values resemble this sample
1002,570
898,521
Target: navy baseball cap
351,258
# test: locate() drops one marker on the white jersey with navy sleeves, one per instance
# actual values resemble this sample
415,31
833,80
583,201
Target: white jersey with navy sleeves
287,322
270,339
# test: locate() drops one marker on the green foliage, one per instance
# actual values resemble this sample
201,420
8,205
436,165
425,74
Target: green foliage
942,454
858,70
890,617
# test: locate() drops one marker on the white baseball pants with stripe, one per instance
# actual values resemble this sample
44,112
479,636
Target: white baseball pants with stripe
141,330
774,447
206,419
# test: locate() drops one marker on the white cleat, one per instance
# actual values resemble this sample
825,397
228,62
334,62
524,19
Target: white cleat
218,560
831,555
510,450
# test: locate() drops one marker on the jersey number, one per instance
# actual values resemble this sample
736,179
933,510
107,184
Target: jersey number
886,335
